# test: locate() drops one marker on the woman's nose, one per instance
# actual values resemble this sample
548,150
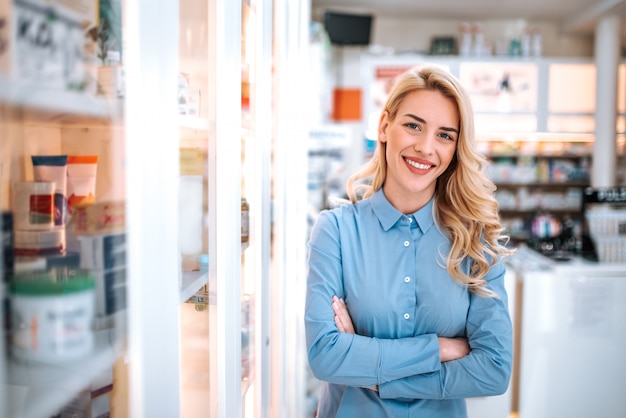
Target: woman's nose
426,144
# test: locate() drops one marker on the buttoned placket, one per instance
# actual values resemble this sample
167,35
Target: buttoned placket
407,244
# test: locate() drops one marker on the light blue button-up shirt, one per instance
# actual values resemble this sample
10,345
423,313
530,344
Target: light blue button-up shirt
390,270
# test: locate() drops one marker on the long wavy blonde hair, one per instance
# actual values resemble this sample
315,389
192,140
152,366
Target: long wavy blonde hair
465,207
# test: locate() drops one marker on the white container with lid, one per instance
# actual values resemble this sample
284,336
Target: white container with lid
51,320
34,243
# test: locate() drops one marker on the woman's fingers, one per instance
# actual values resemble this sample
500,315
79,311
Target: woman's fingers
342,316
339,324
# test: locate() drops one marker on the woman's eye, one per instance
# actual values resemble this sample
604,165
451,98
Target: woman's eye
413,126
446,136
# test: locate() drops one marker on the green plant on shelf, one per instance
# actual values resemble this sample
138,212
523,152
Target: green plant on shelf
100,35
103,36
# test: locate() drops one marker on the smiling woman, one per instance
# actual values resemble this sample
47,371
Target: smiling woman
406,311
418,148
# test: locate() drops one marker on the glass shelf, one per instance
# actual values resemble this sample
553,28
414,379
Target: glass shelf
35,392
192,281
59,102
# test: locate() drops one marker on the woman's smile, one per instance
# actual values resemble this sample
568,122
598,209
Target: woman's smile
420,166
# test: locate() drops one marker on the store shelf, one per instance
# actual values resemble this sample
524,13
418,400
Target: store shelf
524,212
542,184
36,391
59,102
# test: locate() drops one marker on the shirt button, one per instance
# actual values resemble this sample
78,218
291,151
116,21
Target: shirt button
407,316
410,220
407,279
406,243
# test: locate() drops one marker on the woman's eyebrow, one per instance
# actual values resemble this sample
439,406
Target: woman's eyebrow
444,128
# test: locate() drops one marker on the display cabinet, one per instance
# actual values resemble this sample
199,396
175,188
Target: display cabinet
64,316
183,128
42,379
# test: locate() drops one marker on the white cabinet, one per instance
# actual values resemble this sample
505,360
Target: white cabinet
569,312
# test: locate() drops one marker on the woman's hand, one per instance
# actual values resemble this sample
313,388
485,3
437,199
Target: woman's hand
342,316
453,348
344,324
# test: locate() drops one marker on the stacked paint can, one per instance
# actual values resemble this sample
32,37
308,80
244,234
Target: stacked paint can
35,232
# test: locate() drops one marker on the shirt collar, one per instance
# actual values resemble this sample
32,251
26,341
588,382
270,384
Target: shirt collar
388,216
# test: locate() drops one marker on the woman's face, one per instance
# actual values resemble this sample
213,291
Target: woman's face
421,142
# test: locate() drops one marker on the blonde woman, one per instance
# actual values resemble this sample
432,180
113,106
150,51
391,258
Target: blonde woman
406,310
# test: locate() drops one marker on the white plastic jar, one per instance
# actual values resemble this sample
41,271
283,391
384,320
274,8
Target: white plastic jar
51,321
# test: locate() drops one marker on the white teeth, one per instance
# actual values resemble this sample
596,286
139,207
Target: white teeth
417,165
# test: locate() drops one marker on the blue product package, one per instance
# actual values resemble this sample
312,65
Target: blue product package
103,252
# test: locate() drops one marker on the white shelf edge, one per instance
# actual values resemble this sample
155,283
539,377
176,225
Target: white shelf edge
47,388
192,281
35,96
193,122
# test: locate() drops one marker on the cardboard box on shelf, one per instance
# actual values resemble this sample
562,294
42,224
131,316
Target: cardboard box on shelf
99,218
46,42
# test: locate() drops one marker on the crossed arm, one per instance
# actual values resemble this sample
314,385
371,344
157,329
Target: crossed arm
449,348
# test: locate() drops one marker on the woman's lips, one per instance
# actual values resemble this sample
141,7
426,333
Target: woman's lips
418,165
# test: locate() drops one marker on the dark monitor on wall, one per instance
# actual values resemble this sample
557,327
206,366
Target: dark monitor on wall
348,29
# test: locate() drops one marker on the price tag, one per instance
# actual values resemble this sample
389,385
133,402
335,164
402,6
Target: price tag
606,195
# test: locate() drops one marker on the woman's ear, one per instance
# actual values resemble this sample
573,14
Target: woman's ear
382,126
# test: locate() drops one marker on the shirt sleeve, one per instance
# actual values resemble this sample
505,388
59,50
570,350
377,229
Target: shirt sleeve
486,371
349,359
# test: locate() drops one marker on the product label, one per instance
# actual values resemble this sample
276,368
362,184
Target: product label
40,209
52,328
